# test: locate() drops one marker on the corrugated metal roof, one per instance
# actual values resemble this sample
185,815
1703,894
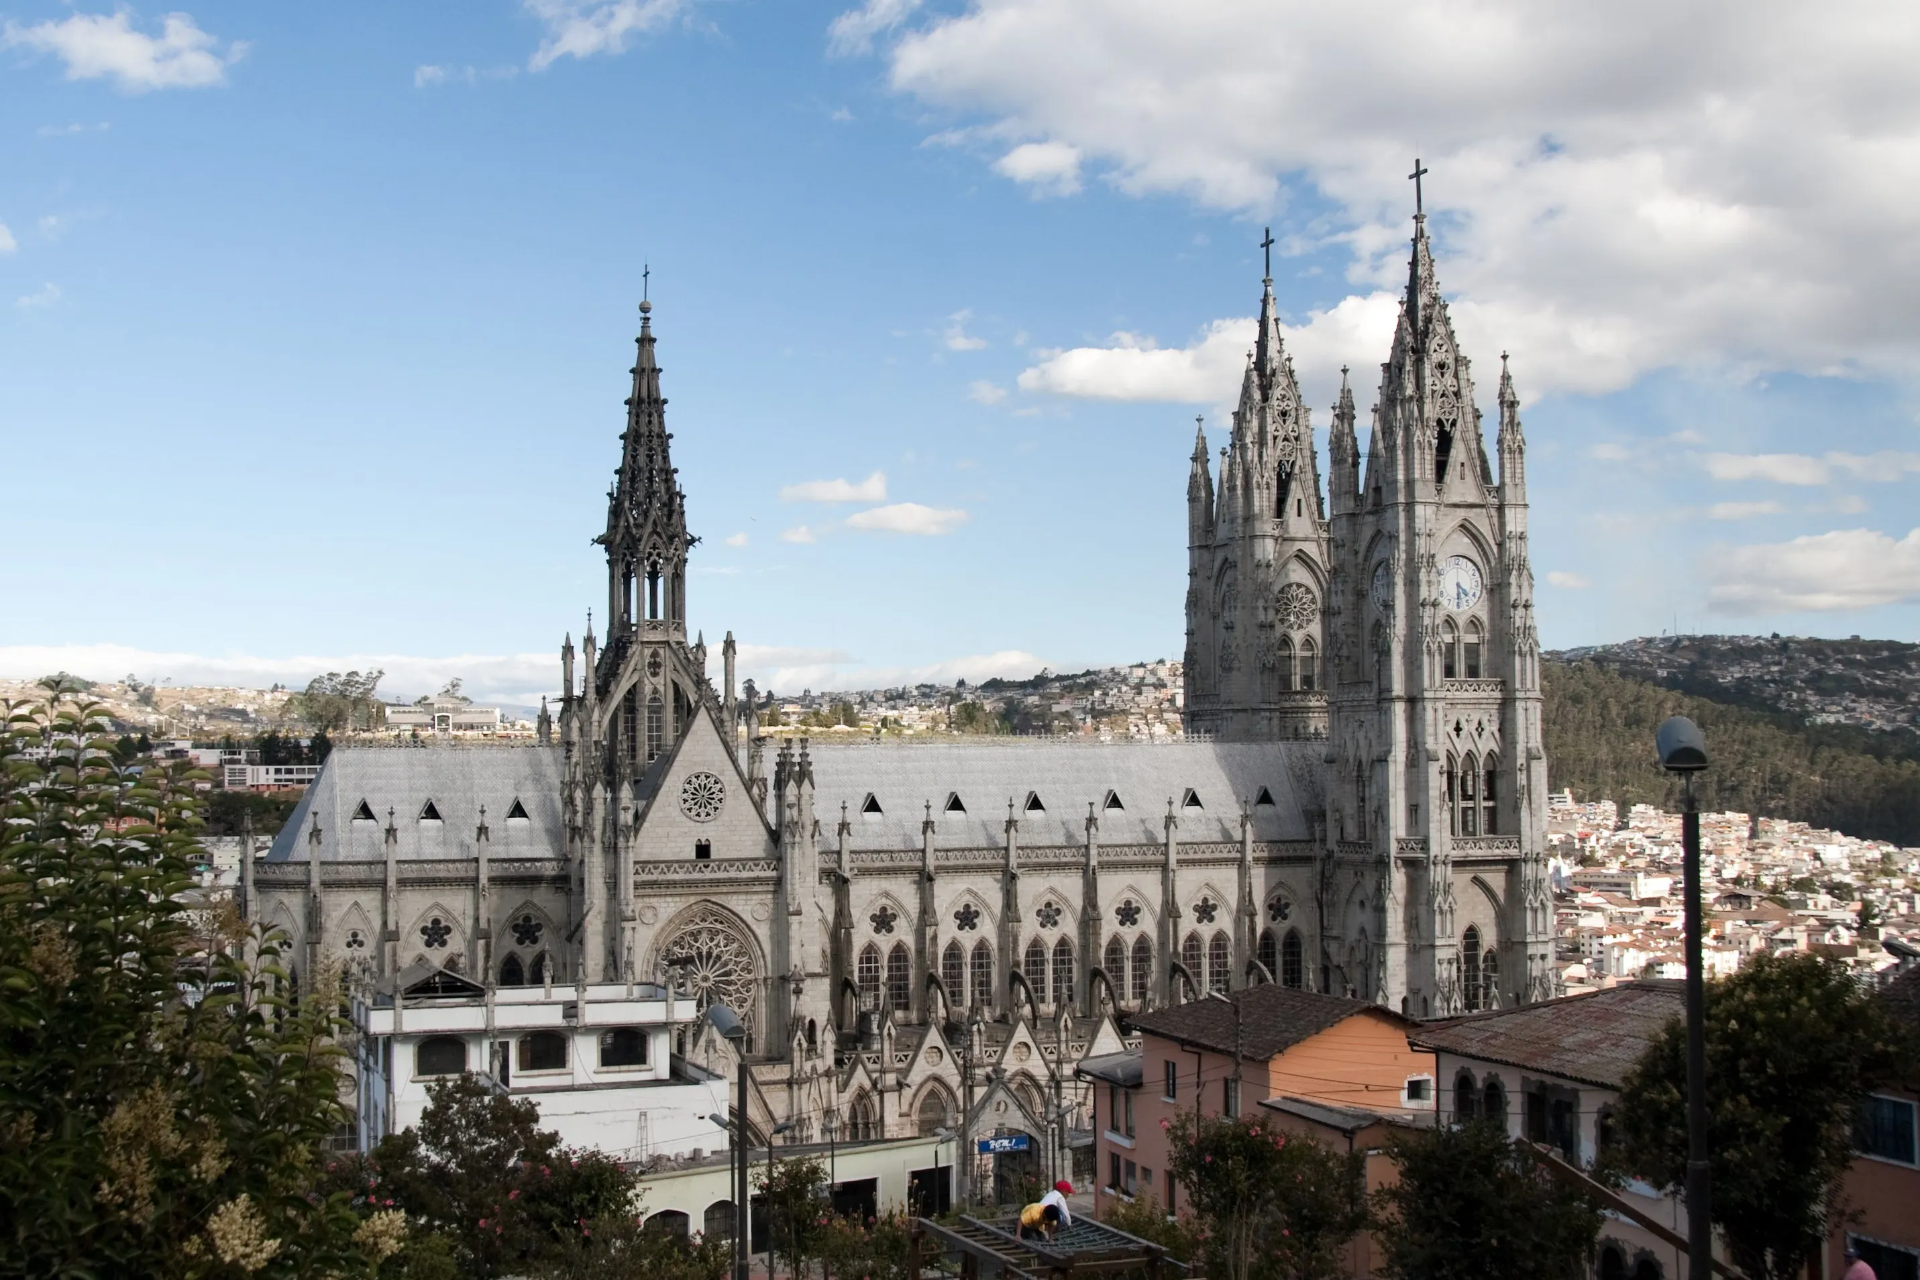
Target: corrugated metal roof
1065,778
1596,1037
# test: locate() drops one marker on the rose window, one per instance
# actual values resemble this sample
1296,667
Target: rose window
883,919
435,932
1204,910
701,796
715,963
1279,909
967,917
526,930
1295,607
1128,913
355,940
1048,915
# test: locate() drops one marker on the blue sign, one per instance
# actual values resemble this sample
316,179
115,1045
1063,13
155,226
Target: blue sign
1000,1146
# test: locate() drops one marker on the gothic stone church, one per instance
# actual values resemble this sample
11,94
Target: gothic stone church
915,929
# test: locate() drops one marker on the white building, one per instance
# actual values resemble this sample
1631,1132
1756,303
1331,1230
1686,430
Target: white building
598,1060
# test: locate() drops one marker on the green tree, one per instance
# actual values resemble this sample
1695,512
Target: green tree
1182,1237
1271,1203
795,1201
335,702
1472,1205
163,1099
1792,1042
851,1250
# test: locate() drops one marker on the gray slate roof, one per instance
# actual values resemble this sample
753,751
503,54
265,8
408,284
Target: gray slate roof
1066,776
1595,1037
458,780
1270,1020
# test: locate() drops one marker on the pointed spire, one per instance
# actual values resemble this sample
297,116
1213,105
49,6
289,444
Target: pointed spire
1512,442
646,488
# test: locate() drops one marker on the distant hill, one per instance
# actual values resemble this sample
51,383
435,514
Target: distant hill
1600,722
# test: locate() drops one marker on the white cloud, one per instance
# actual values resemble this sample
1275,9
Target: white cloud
957,336
1209,368
1568,581
7,243
67,130
425,76
1780,468
908,517
1887,464
1050,168
1844,569
853,31
45,296
428,77
872,489
1616,188
517,679
1742,510
737,539
96,46
583,28
986,392
788,671
797,534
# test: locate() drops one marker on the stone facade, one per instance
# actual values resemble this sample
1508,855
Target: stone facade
923,936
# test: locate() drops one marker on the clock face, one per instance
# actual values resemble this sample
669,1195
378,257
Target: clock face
1382,589
1459,583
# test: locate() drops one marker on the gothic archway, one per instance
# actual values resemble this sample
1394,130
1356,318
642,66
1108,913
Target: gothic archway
713,956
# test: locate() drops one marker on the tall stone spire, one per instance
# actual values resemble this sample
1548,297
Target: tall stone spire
1512,443
646,538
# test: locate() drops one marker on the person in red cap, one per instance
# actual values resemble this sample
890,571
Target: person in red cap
1058,1199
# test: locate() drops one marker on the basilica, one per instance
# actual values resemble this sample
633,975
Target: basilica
917,932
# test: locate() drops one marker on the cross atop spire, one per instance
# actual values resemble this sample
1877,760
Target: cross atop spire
1419,171
1267,245
645,272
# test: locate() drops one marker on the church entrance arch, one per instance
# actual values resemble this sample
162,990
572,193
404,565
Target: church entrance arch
710,953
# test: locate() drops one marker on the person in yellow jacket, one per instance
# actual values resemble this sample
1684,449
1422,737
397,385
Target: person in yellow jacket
1040,1219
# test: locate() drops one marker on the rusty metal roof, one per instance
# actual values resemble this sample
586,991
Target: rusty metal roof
1595,1038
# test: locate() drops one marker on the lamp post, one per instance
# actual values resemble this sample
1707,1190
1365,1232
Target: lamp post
1683,750
941,1137
730,1027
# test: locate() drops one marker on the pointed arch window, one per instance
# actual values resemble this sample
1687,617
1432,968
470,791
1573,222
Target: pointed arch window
1284,662
1219,963
982,970
1115,963
537,971
1470,968
1449,651
1269,954
1035,969
1470,650
656,726
899,978
1293,969
1193,956
1450,776
1489,802
1309,665
1490,979
1062,974
1141,978
1466,1097
953,974
512,972
1382,659
1469,798
931,1116
867,976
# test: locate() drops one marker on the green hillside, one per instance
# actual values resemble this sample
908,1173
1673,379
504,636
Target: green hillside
1599,730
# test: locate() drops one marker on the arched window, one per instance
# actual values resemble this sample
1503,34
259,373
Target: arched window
1270,954
670,1222
1469,806
1292,968
511,972
862,1124
1284,663
813,1035
1309,665
717,1224
933,1112
1452,776
1470,658
1613,1263
537,971
1035,968
1470,968
656,717
983,974
1493,1100
440,1056
1382,658
1449,652
542,1051
899,978
1219,963
1115,963
1062,973
1142,969
1466,1098
1490,979
867,976
623,1047
1489,794
1193,956
953,975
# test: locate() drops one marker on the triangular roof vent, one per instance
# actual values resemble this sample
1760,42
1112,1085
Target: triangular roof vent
954,804
1113,801
364,813
1191,800
1033,804
517,811
429,814
1265,797
871,804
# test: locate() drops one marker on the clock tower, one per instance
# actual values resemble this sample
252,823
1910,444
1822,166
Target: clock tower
1433,890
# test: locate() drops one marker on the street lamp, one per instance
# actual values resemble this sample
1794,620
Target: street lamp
1683,750
941,1136
785,1126
730,1027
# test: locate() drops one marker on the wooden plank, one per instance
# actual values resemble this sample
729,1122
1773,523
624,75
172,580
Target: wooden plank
1561,1171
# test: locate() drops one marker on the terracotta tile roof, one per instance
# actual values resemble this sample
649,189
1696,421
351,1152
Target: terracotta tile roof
1272,1020
1595,1038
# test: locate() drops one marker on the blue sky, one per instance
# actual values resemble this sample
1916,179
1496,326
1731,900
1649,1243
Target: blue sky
315,324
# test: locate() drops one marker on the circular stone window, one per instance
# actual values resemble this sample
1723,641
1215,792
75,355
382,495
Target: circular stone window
701,796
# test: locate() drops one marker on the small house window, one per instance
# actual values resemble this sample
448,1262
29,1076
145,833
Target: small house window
440,1056
1171,1091
1191,800
623,1047
703,849
1884,1129
1419,1088
364,813
543,1051
1113,801
1033,803
870,804
954,803
517,810
1265,797
429,813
